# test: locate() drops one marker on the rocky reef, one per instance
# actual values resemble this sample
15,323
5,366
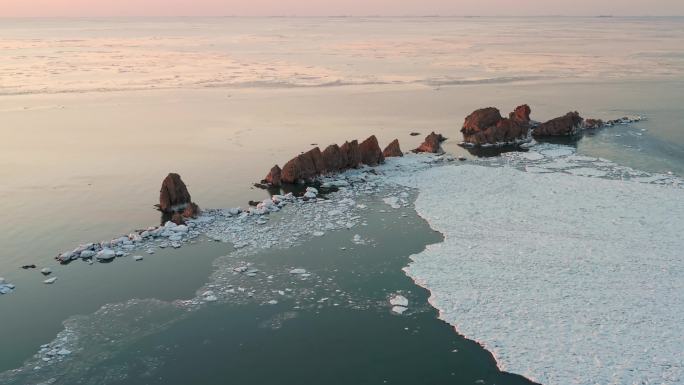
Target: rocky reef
486,126
333,159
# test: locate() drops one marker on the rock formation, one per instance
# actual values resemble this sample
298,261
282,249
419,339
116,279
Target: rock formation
486,126
431,144
352,154
274,176
370,151
174,198
566,125
333,158
173,194
392,149
592,124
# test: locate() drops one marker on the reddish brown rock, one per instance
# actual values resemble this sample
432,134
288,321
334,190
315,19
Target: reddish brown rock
191,210
431,144
318,161
371,154
392,149
566,125
291,172
521,115
487,126
352,153
333,158
173,194
274,176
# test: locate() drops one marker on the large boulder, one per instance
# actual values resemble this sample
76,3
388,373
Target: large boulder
487,126
291,172
352,154
334,159
566,125
174,195
371,154
392,149
521,115
431,144
318,161
274,176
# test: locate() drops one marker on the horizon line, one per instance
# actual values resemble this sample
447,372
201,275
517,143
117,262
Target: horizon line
606,16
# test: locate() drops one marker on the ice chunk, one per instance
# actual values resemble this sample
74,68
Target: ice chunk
398,300
50,281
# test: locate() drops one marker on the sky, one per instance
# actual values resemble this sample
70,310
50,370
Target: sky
69,8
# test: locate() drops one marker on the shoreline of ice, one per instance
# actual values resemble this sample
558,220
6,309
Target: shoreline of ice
566,268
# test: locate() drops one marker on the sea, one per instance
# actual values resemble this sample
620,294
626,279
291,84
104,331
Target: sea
96,112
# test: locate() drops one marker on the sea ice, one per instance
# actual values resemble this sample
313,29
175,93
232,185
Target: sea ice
571,280
398,300
50,280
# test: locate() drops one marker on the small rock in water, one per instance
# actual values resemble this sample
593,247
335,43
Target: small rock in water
50,280
46,271
26,267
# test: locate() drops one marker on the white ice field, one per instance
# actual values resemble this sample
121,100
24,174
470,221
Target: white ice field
566,279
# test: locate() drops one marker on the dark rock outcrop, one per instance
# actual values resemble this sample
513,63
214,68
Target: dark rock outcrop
592,124
431,144
371,154
191,210
291,172
487,126
333,158
173,195
392,149
566,125
352,153
274,176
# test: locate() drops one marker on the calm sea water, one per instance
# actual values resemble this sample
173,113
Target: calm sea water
96,112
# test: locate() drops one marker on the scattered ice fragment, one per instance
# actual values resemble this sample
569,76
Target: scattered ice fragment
50,280
318,233
298,271
46,271
137,258
399,309
398,300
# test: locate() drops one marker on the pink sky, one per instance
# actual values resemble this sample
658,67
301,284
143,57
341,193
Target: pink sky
336,7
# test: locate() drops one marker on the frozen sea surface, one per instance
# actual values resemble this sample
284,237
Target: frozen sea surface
566,279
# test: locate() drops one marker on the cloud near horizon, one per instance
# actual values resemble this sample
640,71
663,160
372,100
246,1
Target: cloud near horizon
97,8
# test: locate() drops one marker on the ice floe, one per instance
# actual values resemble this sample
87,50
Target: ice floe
565,279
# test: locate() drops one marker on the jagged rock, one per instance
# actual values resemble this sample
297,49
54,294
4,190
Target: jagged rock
431,144
521,115
274,176
319,163
565,125
487,126
392,149
371,154
352,153
333,158
592,124
291,171
173,193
